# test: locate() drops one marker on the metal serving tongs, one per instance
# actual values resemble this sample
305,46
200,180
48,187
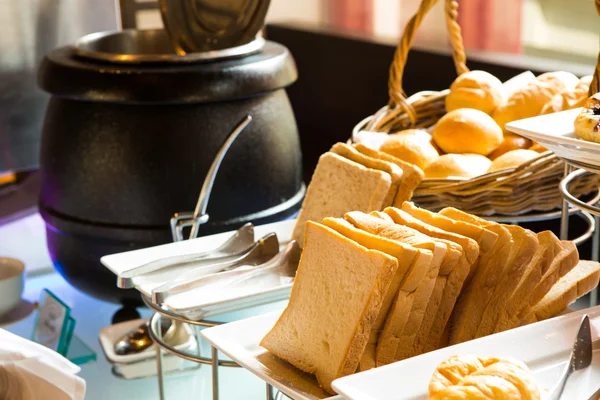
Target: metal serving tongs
241,243
266,249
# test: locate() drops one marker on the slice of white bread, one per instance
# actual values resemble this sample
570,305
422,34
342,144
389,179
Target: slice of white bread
339,185
526,245
485,238
412,265
474,297
549,245
564,261
413,175
337,294
405,315
576,283
448,285
392,169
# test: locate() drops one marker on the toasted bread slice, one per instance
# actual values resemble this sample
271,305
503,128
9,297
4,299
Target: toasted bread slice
448,285
539,264
402,320
392,169
576,283
526,245
337,294
412,265
413,175
340,185
475,296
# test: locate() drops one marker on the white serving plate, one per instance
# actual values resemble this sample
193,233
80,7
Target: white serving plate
556,132
192,303
544,346
240,340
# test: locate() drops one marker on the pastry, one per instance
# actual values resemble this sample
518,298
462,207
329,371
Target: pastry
467,130
587,123
470,377
475,89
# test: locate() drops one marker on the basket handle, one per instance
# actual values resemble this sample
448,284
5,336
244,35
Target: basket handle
595,85
396,93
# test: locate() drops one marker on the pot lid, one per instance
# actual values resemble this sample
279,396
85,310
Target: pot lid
207,25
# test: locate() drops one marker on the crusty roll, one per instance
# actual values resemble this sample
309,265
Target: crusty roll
458,165
510,142
468,377
587,123
475,89
570,98
528,101
467,130
512,158
412,148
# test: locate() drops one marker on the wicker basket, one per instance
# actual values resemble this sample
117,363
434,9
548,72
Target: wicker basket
530,187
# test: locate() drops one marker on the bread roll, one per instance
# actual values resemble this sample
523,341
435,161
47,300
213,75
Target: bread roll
510,142
538,148
458,165
569,99
517,82
414,149
587,123
419,133
467,130
528,101
513,158
475,89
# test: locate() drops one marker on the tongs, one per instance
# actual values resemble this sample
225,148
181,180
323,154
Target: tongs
240,243
286,260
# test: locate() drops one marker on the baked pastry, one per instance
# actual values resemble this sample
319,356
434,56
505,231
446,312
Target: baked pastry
470,377
570,98
512,159
412,148
467,130
587,123
510,142
529,100
458,165
475,89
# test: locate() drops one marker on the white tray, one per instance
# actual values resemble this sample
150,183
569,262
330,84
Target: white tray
188,303
556,132
543,346
239,341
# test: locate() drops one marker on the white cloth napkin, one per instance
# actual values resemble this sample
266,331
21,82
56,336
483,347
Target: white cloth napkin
30,371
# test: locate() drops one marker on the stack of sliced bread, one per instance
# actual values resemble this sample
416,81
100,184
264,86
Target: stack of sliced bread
376,288
355,178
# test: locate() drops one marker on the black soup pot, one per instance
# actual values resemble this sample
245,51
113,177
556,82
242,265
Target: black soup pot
124,147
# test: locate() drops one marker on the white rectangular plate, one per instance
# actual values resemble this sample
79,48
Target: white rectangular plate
544,346
188,303
556,132
240,340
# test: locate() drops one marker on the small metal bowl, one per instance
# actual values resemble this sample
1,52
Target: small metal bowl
132,46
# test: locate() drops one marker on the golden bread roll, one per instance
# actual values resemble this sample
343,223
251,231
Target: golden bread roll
517,83
467,130
528,101
570,98
420,133
475,89
538,148
413,149
512,158
511,142
458,165
483,378
587,123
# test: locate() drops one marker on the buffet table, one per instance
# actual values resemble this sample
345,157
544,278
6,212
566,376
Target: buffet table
92,315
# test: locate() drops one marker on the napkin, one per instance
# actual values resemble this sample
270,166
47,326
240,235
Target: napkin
30,371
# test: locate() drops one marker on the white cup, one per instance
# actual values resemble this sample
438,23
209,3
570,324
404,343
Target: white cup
12,281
